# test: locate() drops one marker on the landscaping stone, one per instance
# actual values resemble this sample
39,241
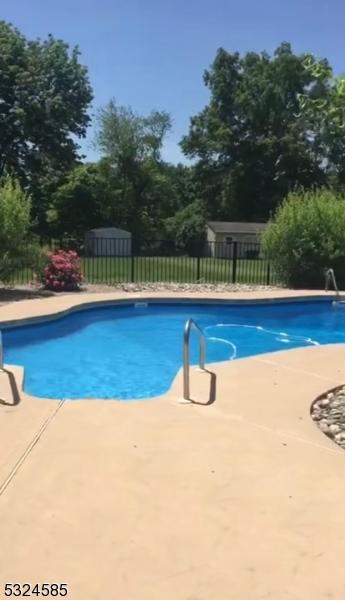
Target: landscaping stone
182,287
34,291
329,415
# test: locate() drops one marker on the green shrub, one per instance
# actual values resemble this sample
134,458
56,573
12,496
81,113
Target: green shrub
306,235
18,249
188,228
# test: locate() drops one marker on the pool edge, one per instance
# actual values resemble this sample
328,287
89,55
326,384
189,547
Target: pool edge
86,303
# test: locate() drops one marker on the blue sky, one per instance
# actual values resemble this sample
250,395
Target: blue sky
151,54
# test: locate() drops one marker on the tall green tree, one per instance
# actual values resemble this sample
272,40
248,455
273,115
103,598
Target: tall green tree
44,98
251,141
80,203
180,186
124,135
131,145
324,114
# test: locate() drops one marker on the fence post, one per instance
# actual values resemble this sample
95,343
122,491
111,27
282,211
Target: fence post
234,262
132,263
268,274
197,268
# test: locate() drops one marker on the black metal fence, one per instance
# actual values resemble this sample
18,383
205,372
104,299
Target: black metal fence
114,260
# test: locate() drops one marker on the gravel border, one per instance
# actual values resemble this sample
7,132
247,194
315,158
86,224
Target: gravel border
182,287
328,412
27,292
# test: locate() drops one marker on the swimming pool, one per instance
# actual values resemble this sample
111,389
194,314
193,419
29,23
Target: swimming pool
134,351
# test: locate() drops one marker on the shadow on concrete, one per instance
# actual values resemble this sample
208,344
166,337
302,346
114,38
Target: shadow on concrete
14,390
212,390
17,294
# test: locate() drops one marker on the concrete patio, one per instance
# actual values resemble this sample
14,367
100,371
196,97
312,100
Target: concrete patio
235,496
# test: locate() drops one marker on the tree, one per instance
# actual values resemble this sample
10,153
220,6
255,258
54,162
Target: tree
80,202
125,136
252,142
188,228
90,196
131,145
17,247
324,114
45,94
179,187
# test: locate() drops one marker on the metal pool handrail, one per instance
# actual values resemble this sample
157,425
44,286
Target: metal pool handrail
186,359
330,277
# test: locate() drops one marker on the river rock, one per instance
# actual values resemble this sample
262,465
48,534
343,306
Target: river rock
334,428
323,425
328,412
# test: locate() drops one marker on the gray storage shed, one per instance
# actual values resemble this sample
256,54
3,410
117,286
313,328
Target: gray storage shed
222,234
108,241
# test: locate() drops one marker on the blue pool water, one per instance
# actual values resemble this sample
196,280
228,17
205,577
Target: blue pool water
127,352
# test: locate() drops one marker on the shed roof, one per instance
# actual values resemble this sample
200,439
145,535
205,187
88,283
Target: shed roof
109,232
235,227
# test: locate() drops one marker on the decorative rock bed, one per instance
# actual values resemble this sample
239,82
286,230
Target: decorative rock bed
26,292
328,412
181,287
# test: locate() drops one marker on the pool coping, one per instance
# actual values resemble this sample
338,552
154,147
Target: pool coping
77,303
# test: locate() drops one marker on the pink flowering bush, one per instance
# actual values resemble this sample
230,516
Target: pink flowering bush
63,272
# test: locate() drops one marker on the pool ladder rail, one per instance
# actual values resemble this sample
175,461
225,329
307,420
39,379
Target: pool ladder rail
330,278
191,324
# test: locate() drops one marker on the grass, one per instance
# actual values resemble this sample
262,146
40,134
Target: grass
181,269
